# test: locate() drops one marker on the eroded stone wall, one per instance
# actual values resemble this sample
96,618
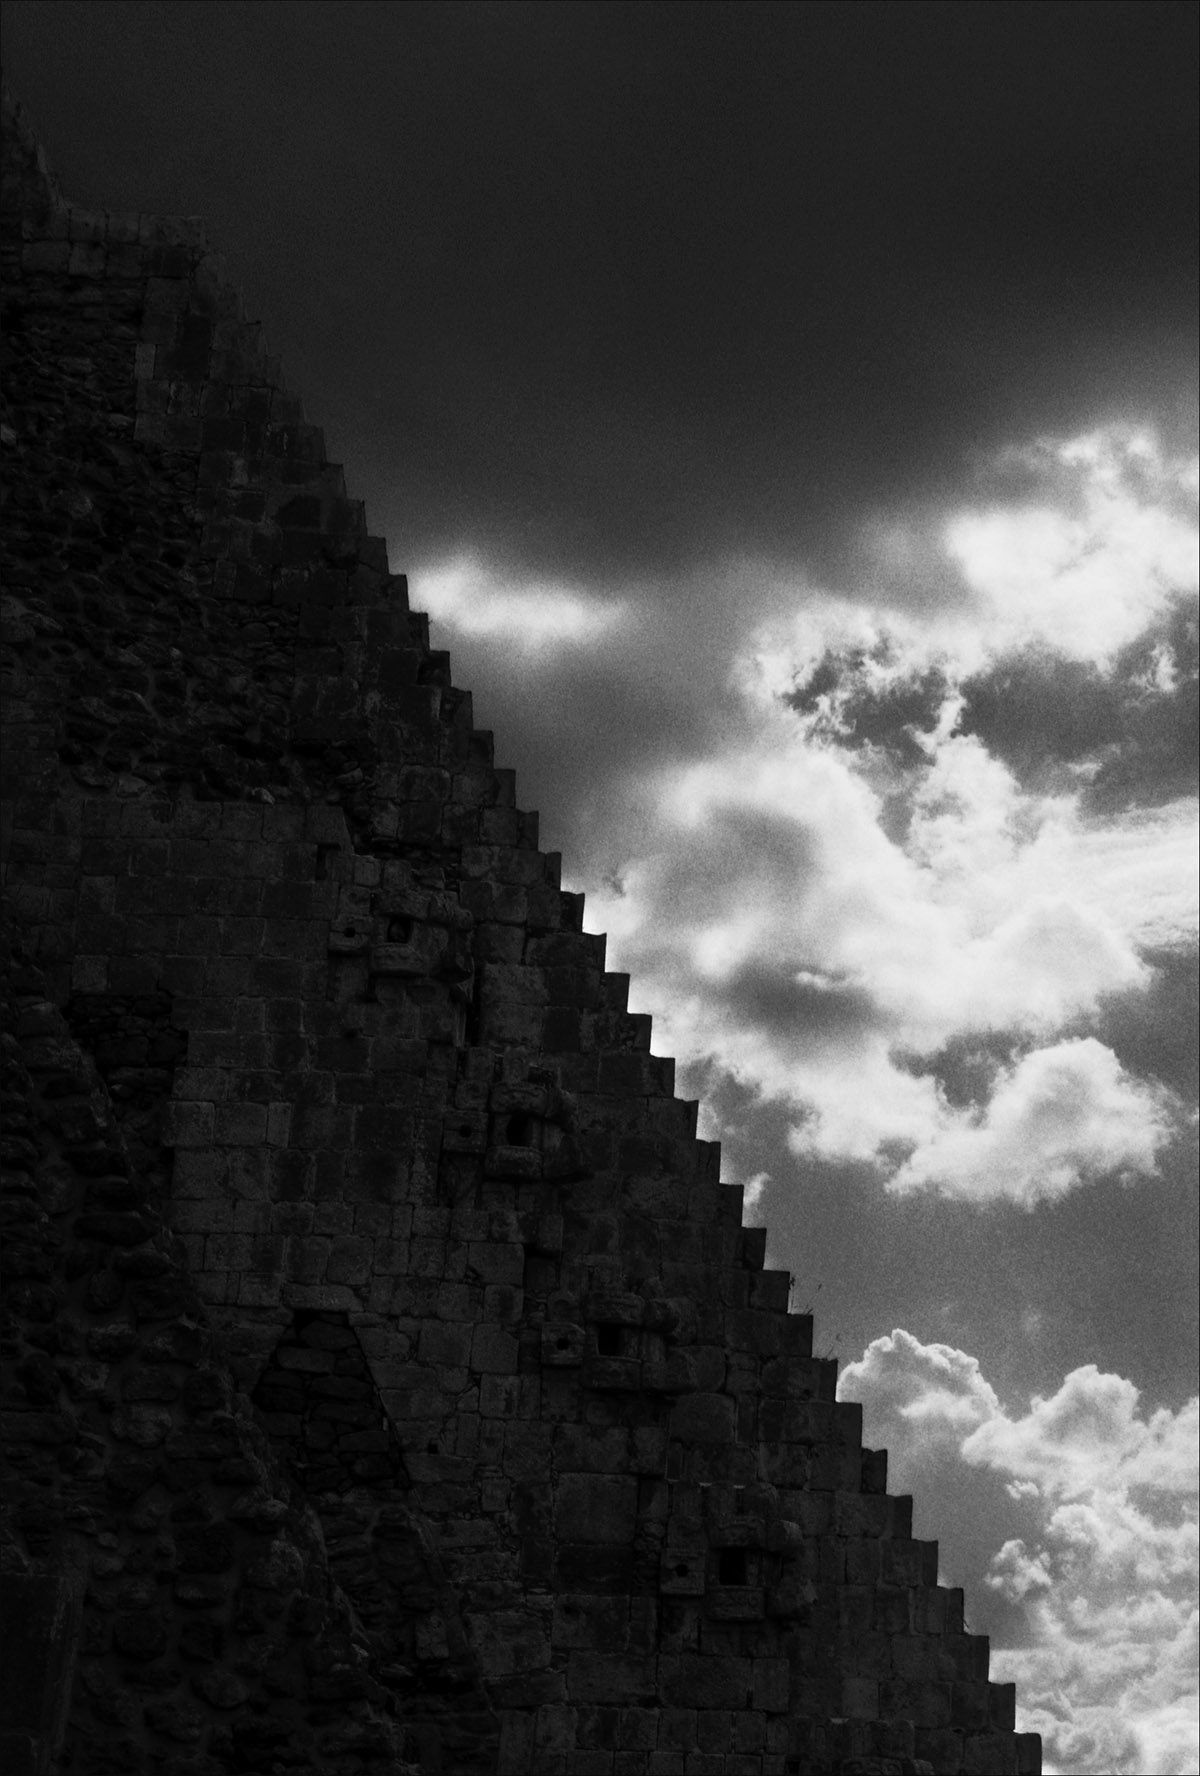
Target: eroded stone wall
392,1379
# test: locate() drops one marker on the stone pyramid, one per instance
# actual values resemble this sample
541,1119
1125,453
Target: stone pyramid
391,1383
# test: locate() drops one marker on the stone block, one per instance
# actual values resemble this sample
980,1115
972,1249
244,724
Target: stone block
859,1514
862,1560
927,1705
46,256
943,1749
970,1703
591,1449
704,1418
609,1677
673,1374
637,1729
495,1261
493,1351
615,1309
648,1451
349,1261
557,1726
908,1563
990,1754
443,1343
1002,1707
589,1622
688,1680
510,1641
677,1730
240,1125
89,974
595,1508
326,1298
612,1374
1029,1754
188,1124
736,1603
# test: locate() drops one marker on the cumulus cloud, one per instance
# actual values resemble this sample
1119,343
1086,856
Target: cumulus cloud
1073,548
1061,1114
1094,1550
1086,581
831,844
828,898
776,928
932,1386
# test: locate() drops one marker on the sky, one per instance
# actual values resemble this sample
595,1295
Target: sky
787,416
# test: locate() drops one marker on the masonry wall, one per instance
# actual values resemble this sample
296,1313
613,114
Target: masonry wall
391,1382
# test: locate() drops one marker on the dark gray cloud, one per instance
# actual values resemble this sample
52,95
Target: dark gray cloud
966,1068
1153,1032
1039,712
889,717
803,1015
610,287
1132,725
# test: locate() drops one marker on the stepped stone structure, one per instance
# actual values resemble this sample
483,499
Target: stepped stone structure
391,1384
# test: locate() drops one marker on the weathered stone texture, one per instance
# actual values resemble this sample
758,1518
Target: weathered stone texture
390,1380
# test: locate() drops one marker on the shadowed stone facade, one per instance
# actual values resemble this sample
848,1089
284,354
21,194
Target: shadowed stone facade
390,1382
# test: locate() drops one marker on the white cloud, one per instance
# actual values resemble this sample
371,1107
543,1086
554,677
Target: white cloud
1101,1566
821,921
1082,571
821,918
1091,1425
470,598
1085,581
1139,871
754,1188
776,929
1061,1114
934,1386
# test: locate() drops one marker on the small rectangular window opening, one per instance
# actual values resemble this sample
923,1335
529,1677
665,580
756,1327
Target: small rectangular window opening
731,1566
608,1341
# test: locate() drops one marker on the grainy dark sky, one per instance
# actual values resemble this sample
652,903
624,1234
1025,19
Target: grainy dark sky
787,414
615,283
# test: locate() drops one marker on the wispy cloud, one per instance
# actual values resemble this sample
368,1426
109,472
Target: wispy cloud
1094,1552
470,598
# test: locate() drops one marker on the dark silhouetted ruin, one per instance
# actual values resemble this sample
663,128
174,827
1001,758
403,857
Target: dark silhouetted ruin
391,1383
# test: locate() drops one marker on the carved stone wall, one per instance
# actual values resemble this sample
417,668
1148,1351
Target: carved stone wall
390,1380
